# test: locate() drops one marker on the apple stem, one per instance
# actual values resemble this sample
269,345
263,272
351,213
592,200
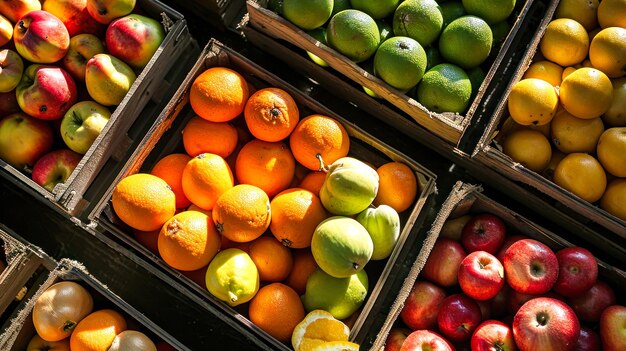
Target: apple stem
355,265
22,28
323,167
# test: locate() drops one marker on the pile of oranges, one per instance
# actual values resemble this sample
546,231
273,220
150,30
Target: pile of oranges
249,179
568,113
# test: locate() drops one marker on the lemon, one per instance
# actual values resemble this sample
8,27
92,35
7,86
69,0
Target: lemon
354,34
565,42
533,101
614,198
466,42
307,14
581,11
545,70
377,9
581,174
418,19
586,93
320,35
572,134
567,71
339,296
612,151
528,147
616,114
400,62
608,51
612,13
318,328
445,88
491,11
232,277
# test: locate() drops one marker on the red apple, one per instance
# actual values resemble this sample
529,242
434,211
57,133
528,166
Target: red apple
422,306
8,103
11,69
13,10
23,140
82,48
426,340
545,324
442,266
484,232
517,299
458,317
55,167
46,92
588,340
492,335
613,328
507,243
589,305
134,39
530,267
40,37
74,15
396,338
481,275
578,271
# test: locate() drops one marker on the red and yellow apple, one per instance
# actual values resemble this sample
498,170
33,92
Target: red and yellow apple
11,69
134,39
396,338
40,37
82,124
613,328
530,267
108,79
422,305
13,10
6,30
426,340
46,92
458,317
74,15
442,266
55,167
493,335
481,275
82,48
23,140
105,11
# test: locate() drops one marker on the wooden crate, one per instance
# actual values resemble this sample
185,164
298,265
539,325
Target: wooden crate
448,126
468,199
489,153
149,86
164,138
19,329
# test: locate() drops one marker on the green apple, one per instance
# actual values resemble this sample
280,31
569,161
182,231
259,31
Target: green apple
349,188
82,124
339,296
108,79
11,69
383,225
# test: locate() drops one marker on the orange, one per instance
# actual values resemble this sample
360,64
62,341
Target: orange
530,148
271,258
277,309
572,134
548,172
319,135
188,241
143,201
582,11
219,94
97,331
608,51
316,329
545,70
586,93
205,178
242,213
269,166
303,265
509,126
313,182
533,101
612,13
170,169
271,114
612,151
565,42
295,215
193,207
200,136
581,174
397,186
614,199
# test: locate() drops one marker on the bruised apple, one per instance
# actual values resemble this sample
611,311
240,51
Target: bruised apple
46,92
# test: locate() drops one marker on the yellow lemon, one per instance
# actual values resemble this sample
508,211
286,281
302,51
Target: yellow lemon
582,11
616,115
614,198
581,174
530,148
565,42
567,71
533,101
572,134
612,151
545,70
608,51
586,93
612,13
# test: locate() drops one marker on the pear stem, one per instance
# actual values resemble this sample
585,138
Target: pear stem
323,167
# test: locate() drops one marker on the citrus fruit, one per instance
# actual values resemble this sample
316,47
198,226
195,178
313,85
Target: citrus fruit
170,169
205,178
277,309
491,11
313,182
565,42
143,201
499,31
188,241
295,215
445,88
320,35
451,10
548,172
271,114
509,126
339,296
612,151
581,174
307,14
397,186
200,136
384,30
269,166
466,42
337,346
533,101
318,327
572,134
97,331
616,114
418,19
400,62
242,213
219,94
303,265
319,135
581,11
586,93
232,277
567,71
528,147
271,258
612,13
614,198
433,57
340,5
608,51
376,9
545,70
354,34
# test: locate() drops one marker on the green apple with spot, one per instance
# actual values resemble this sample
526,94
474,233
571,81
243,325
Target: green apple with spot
11,69
82,124
108,79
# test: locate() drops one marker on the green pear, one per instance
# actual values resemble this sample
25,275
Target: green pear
108,79
383,225
349,188
339,296
232,277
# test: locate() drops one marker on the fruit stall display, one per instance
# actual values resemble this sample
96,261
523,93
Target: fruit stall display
73,83
404,52
496,280
561,125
